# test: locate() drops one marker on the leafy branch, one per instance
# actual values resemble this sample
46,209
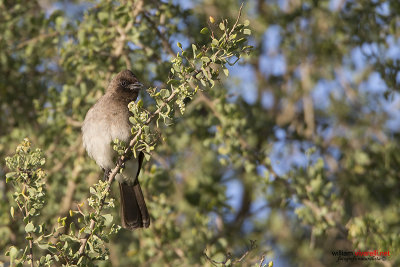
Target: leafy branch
191,71
27,178
116,170
230,260
188,74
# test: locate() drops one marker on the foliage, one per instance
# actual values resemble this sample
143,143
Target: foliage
27,179
298,148
88,231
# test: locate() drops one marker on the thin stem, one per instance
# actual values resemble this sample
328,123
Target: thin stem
36,39
164,40
29,235
31,249
237,19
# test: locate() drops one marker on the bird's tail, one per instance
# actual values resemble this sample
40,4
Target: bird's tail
134,213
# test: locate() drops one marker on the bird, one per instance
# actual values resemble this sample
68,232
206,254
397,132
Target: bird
105,121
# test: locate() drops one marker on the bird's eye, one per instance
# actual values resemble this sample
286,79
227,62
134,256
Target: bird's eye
124,83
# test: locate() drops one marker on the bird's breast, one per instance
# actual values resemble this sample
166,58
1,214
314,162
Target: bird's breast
100,128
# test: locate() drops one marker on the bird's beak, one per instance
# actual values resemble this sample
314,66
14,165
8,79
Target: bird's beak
135,86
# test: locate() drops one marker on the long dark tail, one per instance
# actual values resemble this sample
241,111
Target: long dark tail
134,213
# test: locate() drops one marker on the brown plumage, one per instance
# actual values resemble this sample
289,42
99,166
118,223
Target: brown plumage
134,213
107,120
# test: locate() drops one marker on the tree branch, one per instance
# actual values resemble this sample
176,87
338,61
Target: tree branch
36,39
229,256
29,234
237,19
164,40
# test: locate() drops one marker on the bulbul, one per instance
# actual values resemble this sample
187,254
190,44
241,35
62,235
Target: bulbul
107,120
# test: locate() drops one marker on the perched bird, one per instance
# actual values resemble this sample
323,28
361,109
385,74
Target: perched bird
107,120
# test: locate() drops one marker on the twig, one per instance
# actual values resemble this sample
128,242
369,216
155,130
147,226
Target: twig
213,262
261,260
205,99
72,122
164,40
116,169
35,39
137,8
252,246
237,19
30,235
31,249
228,256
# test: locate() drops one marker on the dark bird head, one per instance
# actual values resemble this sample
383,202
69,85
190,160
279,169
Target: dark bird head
126,85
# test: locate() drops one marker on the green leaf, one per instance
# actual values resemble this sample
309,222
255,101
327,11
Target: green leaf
43,246
205,59
13,254
246,23
102,16
241,40
146,129
92,191
177,68
226,71
52,249
204,30
247,31
32,211
222,26
173,82
179,45
59,21
213,58
80,260
132,120
148,148
212,83
29,227
232,36
108,219
12,212
164,93
194,48
10,175
40,228
139,104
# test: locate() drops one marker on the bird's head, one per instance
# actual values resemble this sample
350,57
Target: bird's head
126,85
